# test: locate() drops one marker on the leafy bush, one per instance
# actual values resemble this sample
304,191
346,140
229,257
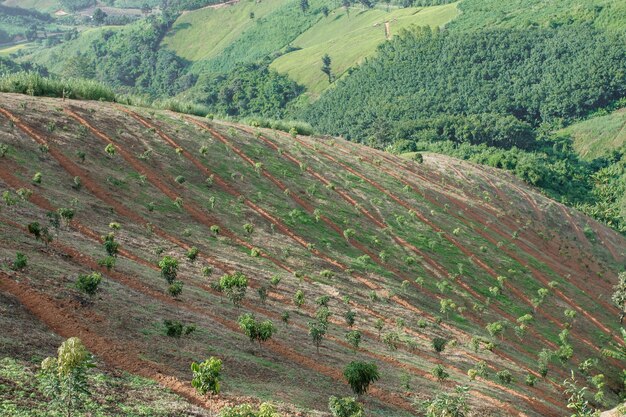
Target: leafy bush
175,288
234,286
206,376
176,329
20,261
345,407
169,268
192,253
246,410
110,245
256,330
64,378
89,283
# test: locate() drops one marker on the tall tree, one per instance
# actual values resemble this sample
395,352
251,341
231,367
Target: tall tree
326,61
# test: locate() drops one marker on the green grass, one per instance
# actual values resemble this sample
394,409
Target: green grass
189,36
13,49
598,136
348,39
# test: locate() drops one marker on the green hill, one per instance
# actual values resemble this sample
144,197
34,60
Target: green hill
203,34
444,250
279,27
350,38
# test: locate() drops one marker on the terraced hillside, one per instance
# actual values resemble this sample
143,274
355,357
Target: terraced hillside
442,249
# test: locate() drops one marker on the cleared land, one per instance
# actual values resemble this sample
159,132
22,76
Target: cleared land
397,238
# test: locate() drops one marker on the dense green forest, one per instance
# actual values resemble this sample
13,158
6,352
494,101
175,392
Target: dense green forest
17,22
131,61
538,76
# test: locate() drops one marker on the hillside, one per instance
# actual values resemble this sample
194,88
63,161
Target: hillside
293,40
440,249
348,38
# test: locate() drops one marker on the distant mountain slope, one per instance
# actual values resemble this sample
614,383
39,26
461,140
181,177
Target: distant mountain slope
40,5
349,38
203,34
298,40
442,249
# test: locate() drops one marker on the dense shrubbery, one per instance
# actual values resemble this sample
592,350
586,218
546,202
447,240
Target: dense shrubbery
8,66
251,89
35,85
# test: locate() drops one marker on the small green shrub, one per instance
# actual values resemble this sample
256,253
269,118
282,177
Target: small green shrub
89,283
175,288
108,262
37,178
192,253
20,262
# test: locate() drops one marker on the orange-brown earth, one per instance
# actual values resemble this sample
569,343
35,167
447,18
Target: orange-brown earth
377,221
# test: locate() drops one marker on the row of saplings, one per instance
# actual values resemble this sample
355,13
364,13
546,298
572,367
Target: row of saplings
64,379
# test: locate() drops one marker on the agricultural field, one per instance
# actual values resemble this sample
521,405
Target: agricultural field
40,5
438,262
297,40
